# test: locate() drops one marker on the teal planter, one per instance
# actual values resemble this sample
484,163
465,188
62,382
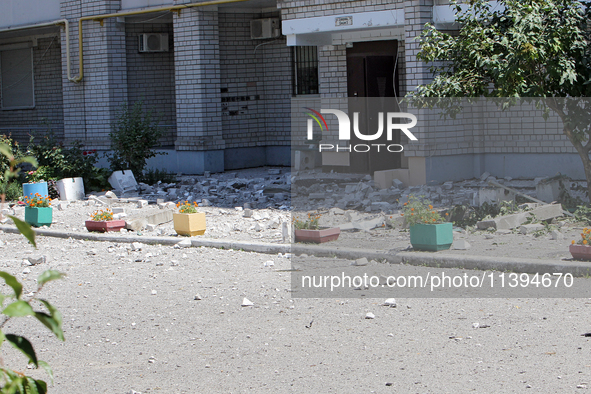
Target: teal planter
38,217
431,237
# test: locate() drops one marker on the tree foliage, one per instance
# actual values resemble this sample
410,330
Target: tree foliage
518,48
13,304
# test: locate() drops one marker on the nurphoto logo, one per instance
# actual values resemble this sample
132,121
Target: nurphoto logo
391,120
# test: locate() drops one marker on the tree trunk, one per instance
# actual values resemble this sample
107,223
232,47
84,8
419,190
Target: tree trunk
587,166
583,152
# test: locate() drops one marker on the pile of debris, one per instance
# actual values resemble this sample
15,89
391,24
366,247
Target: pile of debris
314,190
262,188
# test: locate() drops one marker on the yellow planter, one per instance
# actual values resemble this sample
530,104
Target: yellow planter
189,224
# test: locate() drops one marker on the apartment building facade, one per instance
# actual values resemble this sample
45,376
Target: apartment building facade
224,75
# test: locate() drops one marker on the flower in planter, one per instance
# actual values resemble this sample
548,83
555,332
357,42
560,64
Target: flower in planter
311,223
102,215
585,237
38,201
420,211
187,207
188,221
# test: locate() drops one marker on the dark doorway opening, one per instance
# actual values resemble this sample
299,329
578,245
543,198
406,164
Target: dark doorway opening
372,77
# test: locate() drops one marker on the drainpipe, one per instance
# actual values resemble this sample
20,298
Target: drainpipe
59,22
99,18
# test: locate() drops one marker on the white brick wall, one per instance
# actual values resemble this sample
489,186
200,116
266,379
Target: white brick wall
197,80
150,77
91,106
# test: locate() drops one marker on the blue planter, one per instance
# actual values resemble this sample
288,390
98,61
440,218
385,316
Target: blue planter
29,189
431,237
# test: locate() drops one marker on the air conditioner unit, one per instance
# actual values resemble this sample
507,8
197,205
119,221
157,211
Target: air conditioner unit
153,42
265,28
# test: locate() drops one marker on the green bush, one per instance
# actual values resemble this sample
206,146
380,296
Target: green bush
58,162
13,192
15,382
134,138
4,161
153,176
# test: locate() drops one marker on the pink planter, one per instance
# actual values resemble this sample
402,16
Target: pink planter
317,236
104,226
580,252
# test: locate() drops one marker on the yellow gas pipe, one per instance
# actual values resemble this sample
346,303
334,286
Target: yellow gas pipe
99,18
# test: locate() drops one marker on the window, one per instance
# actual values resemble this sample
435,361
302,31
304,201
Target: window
305,70
16,72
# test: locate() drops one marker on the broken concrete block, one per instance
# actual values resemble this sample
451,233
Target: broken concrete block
142,203
386,178
97,200
398,183
548,191
118,210
286,232
136,246
487,195
185,243
530,228
247,213
337,211
556,235
139,222
304,160
550,211
317,196
397,221
123,181
110,194
150,227
484,176
363,225
461,244
167,205
512,221
380,206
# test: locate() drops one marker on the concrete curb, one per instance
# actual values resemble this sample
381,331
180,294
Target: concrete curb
531,266
485,263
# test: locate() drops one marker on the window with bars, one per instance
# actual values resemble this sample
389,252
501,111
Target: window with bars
305,70
16,78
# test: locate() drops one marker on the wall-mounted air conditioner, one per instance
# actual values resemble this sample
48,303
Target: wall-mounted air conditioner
153,42
265,28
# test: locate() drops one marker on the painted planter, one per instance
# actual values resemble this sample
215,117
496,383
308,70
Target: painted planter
105,225
30,189
189,224
431,237
317,236
71,189
580,252
39,216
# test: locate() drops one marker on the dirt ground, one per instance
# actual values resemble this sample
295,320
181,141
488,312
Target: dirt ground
133,324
